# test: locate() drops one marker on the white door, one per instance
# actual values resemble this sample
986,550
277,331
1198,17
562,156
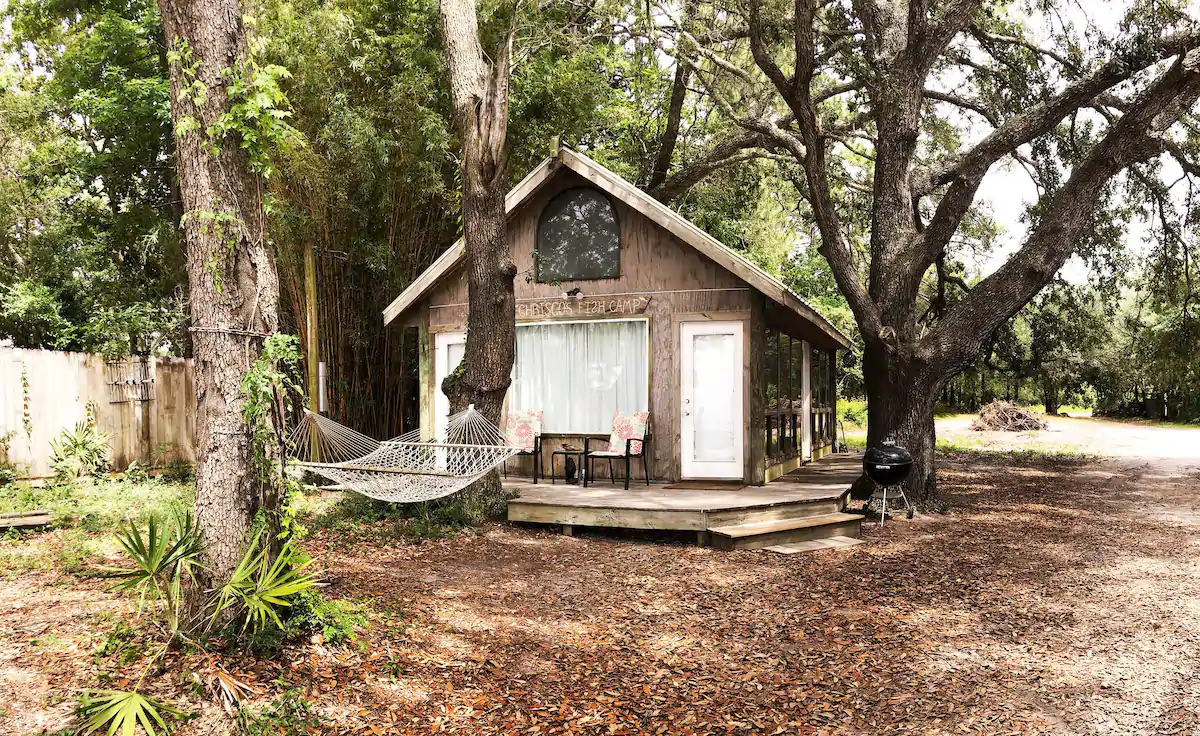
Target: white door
450,347
712,420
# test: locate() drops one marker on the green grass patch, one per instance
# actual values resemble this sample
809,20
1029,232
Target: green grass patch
287,715
336,620
352,512
963,451
101,505
67,550
1071,409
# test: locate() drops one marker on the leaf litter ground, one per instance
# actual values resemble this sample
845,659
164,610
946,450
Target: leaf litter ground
1060,596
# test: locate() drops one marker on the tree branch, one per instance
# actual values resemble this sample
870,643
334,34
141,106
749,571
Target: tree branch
725,154
670,135
1134,138
812,156
1041,118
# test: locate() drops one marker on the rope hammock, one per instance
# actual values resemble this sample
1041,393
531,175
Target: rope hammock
404,469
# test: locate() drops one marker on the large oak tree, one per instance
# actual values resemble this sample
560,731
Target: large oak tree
861,97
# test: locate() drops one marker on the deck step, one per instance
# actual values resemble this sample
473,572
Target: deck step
785,531
815,544
808,508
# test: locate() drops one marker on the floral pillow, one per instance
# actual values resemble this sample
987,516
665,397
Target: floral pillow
626,427
521,429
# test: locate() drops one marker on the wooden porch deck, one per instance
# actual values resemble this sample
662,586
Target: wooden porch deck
804,505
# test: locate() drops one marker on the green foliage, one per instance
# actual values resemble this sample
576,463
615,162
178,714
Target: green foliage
287,715
179,471
852,413
122,644
99,506
267,385
8,471
80,452
136,473
122,711
93,259
261,585
437,519
311,613
162,559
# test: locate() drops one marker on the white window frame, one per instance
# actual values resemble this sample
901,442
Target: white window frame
441,403
645,326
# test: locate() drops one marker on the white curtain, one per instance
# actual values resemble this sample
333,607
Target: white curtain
580,373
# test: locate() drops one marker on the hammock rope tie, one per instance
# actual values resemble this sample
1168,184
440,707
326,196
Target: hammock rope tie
405,469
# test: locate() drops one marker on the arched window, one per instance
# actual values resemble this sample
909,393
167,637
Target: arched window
578,238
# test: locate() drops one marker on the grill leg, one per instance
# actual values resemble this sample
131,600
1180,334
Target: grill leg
883,511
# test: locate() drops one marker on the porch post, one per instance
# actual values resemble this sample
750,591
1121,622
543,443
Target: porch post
757,456
425,376
806,394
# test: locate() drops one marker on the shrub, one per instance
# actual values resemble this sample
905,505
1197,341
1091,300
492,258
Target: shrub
259,587
136,474
179,471
8,471
79,452
162,559
288,715
335,620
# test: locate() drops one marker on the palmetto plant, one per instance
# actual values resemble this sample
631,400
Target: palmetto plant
261,586
162,559
79,451
122,711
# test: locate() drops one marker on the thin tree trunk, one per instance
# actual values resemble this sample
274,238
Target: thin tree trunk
479,91
233,287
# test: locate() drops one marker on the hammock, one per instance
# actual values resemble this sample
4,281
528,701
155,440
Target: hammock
405,469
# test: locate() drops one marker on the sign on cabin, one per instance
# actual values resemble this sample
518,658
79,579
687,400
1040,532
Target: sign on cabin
596,306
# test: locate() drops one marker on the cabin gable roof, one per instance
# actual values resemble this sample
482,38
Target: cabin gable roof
618,188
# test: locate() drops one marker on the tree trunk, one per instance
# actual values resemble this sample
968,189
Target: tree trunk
480,96
901,394
233,287
1050,396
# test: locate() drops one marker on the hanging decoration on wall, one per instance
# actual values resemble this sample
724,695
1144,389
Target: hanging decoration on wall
581,306
27,417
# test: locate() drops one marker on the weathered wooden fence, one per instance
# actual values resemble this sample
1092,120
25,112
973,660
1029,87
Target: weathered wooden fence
147,406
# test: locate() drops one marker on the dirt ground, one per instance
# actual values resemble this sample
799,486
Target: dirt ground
1165,445
1060,596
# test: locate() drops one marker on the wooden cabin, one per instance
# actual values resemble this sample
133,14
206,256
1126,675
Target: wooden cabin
625,306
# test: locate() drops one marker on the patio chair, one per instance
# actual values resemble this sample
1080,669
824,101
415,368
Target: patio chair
630,435
523,429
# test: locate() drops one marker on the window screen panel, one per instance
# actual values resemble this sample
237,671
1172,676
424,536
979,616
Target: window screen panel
578,238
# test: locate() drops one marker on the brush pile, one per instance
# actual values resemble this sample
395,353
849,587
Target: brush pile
1001,416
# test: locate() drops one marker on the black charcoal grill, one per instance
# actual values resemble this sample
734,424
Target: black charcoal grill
888,465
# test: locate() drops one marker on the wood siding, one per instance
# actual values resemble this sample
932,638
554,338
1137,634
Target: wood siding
61,386
680,283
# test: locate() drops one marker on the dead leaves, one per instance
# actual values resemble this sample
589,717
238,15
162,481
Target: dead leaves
1024,612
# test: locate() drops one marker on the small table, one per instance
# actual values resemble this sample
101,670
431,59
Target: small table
566,453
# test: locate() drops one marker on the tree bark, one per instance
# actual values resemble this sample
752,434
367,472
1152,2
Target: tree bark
233,286
1050,396
902,392
479,92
